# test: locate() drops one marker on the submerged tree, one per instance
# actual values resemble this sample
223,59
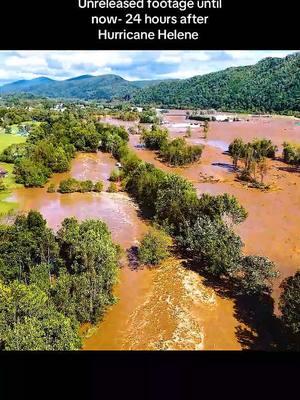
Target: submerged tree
291,153
178,152
237,151
206,129
155,138
254,156
263,168
188,133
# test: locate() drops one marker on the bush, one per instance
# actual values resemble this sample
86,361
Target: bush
154,139
51,188
113,188
133,130
14,153
154,247
70,185
86,186
178,152
98,187
2,186
116,175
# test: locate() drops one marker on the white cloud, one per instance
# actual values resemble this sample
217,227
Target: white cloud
15,65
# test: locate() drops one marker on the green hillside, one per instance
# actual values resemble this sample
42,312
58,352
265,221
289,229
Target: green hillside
273,84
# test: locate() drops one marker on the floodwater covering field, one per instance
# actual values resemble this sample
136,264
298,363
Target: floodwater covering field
272,227
170,307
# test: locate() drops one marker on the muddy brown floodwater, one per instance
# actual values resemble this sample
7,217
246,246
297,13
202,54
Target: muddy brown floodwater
164,308
272,227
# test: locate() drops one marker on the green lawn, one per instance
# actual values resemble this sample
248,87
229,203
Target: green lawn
6,141
16,127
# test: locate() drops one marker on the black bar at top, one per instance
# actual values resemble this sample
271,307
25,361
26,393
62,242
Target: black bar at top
62,25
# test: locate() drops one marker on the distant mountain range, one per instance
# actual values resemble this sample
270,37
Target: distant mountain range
273,84
88,87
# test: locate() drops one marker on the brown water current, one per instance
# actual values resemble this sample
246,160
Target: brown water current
156,309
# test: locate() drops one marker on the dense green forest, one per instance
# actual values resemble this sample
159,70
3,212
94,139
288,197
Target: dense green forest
273,84
50,283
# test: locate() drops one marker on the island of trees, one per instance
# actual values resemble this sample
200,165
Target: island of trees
174,152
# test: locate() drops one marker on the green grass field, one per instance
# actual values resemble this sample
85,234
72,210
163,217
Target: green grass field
6,141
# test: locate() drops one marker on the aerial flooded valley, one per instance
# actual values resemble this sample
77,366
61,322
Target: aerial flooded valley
262,233
125,226
171,307
164,308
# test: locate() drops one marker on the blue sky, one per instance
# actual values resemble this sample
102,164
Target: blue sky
131,65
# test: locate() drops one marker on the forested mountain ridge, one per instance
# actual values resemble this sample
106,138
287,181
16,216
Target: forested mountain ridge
25,85
87,87
272,84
